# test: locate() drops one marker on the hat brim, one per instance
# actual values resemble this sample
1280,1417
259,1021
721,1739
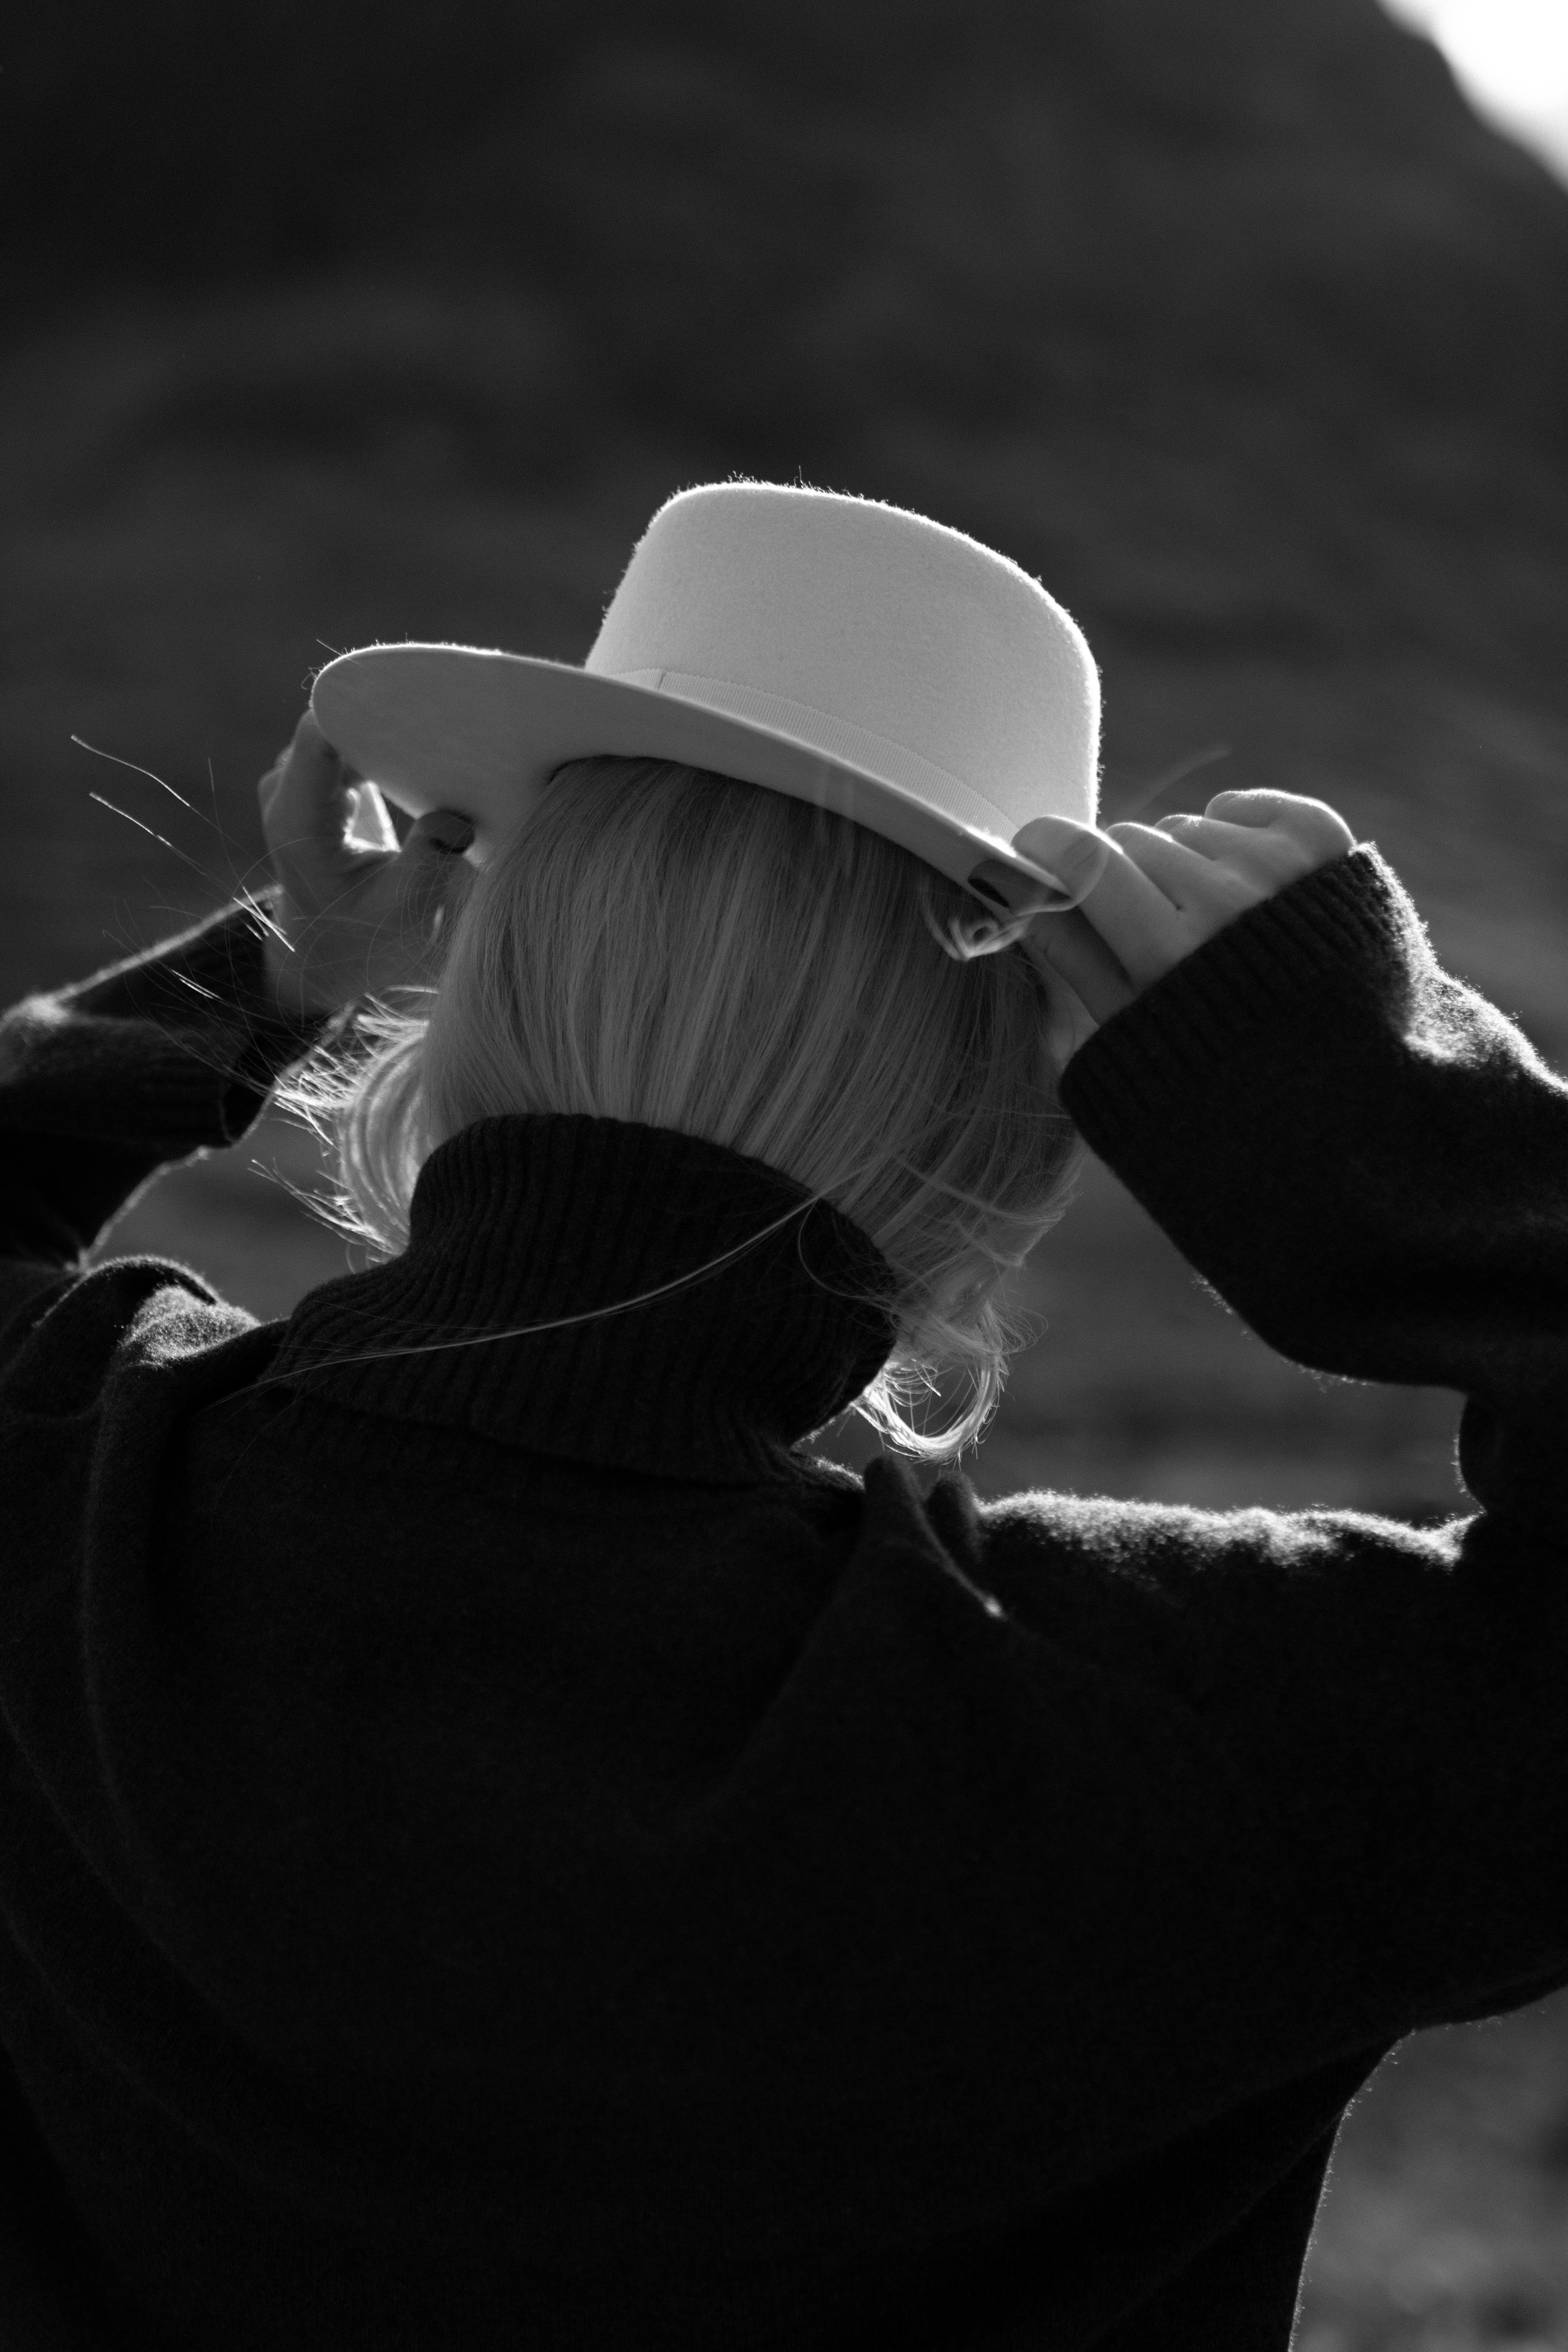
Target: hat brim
481,732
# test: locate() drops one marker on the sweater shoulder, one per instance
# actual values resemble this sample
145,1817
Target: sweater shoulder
126,1317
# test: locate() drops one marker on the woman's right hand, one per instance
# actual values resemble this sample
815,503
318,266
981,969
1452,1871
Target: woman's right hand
354,915
1165,888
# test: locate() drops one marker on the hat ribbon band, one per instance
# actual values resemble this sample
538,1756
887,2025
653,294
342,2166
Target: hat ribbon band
838,740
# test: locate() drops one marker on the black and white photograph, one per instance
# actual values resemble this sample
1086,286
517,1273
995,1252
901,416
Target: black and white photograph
783,1176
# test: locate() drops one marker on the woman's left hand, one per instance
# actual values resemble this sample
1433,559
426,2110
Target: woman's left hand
357,915
1162,890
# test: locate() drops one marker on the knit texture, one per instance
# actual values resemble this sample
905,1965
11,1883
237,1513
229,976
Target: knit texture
550,1346
503,1843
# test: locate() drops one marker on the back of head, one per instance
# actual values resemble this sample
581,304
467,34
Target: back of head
667,946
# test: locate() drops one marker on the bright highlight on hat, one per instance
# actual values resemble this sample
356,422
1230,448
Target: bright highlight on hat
848,653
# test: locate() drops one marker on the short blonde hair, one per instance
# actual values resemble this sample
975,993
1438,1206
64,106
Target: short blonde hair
671,948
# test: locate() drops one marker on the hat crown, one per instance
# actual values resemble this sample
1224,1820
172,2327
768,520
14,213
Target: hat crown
891,626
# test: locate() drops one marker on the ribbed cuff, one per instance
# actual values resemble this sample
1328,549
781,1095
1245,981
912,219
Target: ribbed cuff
1346,931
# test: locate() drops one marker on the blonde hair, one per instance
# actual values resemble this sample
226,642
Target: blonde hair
675,949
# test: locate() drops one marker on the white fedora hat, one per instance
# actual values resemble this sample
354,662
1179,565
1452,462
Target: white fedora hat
848,653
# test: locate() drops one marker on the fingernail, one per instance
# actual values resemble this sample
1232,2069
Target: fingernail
1078,857
454,833
1074,853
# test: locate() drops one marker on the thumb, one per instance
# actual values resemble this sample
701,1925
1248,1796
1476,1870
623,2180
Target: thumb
441,833
1073,855
430,870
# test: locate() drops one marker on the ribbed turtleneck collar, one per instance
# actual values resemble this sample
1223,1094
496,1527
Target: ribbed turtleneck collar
538,1220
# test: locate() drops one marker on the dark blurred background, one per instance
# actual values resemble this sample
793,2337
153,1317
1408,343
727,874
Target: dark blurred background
1233,324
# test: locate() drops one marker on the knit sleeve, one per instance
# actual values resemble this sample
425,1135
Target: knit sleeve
1369,1163
155,1058
1367,1160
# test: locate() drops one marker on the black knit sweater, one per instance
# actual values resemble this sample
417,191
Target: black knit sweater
499,1845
